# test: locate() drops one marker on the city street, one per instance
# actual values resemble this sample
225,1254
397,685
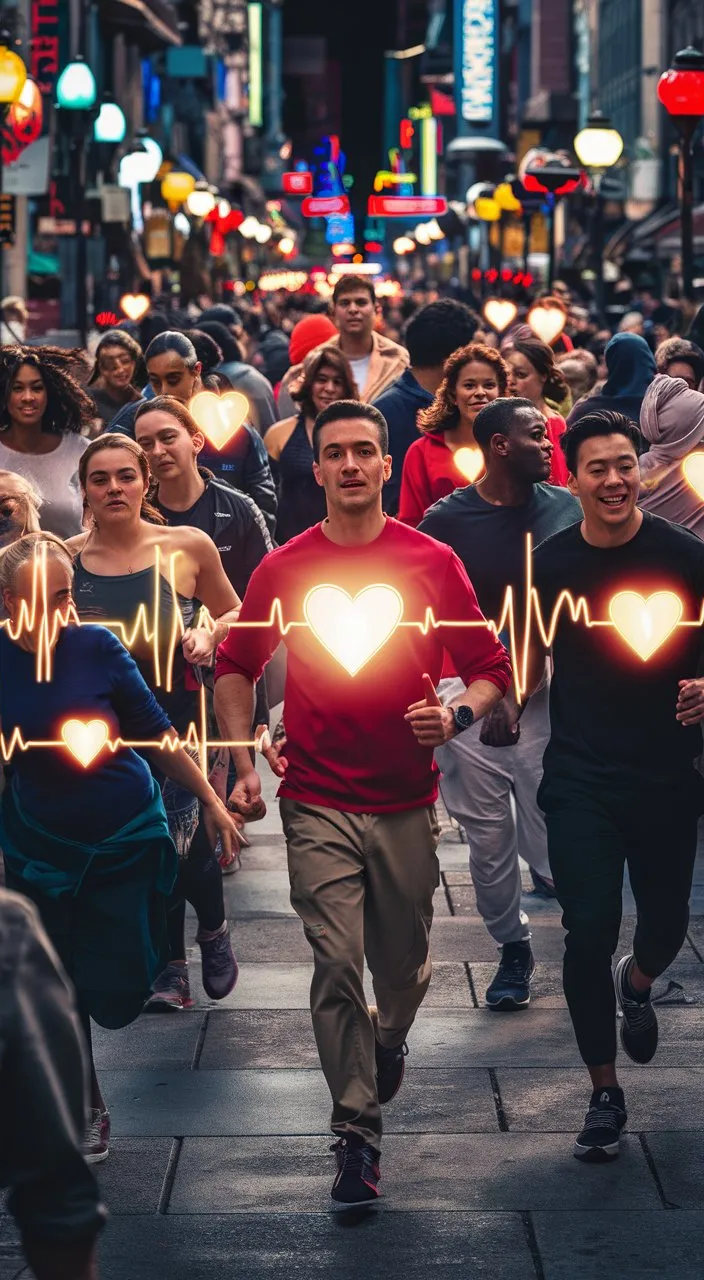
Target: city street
219,1156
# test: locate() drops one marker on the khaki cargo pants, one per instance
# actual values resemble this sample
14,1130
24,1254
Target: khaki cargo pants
363,885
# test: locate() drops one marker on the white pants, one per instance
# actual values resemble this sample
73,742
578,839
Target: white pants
491,792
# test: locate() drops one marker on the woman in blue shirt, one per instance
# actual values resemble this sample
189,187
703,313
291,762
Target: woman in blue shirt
82,824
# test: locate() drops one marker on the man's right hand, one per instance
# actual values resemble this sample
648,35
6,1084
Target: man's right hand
272,754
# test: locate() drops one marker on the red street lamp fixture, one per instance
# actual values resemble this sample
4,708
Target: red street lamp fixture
681,92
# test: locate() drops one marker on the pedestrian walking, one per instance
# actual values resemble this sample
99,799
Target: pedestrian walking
117,374
129,564
472,377
357,783
535,375
630,367
619,784
672,423
326,376
43,412
489,776
91,848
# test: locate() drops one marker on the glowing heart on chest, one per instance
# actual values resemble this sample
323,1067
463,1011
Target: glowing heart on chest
353,629
693,468
469,462
645,623
219,417
85,739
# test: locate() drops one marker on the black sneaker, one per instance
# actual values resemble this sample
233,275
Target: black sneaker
390,1065
599,1140
357,1180
510,987
639,1028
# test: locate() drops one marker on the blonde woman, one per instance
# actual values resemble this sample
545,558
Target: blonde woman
19,507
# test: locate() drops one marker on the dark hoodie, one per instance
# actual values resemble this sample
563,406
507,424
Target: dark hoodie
400,404
631,367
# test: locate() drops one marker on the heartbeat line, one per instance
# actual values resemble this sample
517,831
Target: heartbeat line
644,623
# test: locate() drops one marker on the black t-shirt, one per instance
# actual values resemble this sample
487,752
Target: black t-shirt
612,712
235,524
491,541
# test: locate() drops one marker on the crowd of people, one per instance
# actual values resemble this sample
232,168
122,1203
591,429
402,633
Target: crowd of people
411,451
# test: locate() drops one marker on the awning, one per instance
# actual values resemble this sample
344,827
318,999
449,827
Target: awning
155,19
639,235
668,238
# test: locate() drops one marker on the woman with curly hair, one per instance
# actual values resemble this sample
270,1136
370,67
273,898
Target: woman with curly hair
43,410
472,377
118,364
326,376
534,375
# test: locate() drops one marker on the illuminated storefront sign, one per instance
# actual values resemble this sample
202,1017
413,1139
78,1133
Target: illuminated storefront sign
478,53
406,206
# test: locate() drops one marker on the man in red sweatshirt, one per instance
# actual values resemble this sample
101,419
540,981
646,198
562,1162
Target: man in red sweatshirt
351,600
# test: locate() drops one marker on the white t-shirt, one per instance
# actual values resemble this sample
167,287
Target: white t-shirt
55,476
360,369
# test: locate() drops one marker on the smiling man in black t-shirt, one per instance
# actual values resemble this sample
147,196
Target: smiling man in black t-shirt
619,784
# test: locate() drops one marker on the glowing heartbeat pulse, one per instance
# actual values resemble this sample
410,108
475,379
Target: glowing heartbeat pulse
352,629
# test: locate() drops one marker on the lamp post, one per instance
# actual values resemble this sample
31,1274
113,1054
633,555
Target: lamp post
598,146
555,179
76,94
13,75
681,92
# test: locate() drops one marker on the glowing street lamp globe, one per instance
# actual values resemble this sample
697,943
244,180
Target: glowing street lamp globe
201,201
598,145
177,187
111,125
13,74
76,89
681,89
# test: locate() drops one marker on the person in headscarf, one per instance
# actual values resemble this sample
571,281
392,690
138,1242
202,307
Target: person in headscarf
631,368
672,422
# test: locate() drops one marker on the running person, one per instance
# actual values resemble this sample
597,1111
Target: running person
116,565
619,783
358,788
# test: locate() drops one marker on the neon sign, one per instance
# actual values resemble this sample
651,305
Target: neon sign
406,206
478,41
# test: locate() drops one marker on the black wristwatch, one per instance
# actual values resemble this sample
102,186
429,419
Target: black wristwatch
464,718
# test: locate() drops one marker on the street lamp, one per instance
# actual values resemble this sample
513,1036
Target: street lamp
76,94
598,147
110,126
176,187
202,200
681,92
13,75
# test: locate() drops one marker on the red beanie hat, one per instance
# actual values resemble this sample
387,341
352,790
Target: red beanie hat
310,332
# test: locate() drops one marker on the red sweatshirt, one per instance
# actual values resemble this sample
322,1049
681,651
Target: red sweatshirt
348,745
430,473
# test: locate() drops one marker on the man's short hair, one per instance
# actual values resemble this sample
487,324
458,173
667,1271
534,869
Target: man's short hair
602,422
438,329
497,418
351,284
346,411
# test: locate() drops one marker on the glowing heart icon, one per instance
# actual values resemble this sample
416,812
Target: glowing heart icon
219,417
693,468
500,313
85,739
353,630
645,624
135,305
547,318
470,462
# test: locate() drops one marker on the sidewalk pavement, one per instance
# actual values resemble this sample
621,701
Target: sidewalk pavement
219,1164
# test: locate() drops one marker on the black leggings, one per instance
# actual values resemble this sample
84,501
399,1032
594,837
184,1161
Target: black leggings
590,838
200,883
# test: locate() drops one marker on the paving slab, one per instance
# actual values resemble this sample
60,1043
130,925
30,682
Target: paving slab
438,1172
270,941
258,1038
620,1246
546,986
448,1246
271,1102
679,1160
154,1041
555,1100
132,1177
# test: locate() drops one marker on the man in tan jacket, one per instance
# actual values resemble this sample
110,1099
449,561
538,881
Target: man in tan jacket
376,361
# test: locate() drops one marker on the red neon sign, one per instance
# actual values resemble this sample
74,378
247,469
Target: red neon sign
324,206
298,183
406,206
406,134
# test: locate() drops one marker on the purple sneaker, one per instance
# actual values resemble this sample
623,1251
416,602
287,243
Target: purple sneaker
220,969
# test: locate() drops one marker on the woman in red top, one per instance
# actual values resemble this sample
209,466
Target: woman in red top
433,466
534,375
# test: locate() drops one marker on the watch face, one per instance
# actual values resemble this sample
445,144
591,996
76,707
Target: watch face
464,717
